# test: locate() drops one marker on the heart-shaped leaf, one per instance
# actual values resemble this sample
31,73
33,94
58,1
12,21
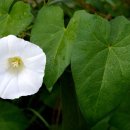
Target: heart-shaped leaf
49,33
100,63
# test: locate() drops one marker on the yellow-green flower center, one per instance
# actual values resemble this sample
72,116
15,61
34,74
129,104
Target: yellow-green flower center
15,62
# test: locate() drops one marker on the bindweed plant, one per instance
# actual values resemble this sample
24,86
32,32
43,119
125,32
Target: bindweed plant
65,64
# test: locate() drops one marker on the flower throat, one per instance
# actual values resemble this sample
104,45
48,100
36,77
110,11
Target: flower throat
15,63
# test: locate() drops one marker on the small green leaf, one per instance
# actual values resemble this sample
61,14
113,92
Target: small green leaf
11,117
14,18
100,63
49,33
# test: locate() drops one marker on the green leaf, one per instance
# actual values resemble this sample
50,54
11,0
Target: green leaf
113,128
102,125
11,117
49,33
100,63
5,6
14,18
72,117
111,7
51,98
111,2
121,118
121,121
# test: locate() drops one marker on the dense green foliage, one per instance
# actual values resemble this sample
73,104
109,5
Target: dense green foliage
87,76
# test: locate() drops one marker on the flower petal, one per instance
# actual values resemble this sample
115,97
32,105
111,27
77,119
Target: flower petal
3,66
29,82
32,50
36,63
8,86
4,51
15,45
26,83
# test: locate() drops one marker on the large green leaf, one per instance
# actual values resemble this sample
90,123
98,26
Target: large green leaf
11,117
49,33
100,63
14,18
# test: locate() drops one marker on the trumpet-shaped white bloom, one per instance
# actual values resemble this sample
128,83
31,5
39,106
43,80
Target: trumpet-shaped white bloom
22,66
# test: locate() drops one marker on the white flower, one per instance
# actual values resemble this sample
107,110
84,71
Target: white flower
22,66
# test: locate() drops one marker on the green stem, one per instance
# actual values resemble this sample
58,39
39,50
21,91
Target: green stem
40,117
